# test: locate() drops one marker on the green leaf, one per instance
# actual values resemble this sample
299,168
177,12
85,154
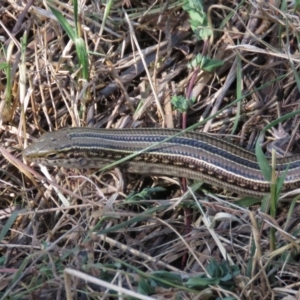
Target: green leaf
213,268
226,277
265,203
3,66
281,119
198,19
167,277
198,61
8,225
144,287
205,33
82,56
229,271
205,63
75,11
2,260
200,283
280,180
247,201
63,22
211,64
263,162
289,215
181,103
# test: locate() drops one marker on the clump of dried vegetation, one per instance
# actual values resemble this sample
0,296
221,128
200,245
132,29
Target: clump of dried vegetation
228,67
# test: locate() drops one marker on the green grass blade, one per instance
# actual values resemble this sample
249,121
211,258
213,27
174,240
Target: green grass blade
63,23
82,56
264,164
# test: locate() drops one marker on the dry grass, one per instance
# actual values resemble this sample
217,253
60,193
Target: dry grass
73,232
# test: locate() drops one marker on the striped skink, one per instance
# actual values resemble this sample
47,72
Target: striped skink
191,155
